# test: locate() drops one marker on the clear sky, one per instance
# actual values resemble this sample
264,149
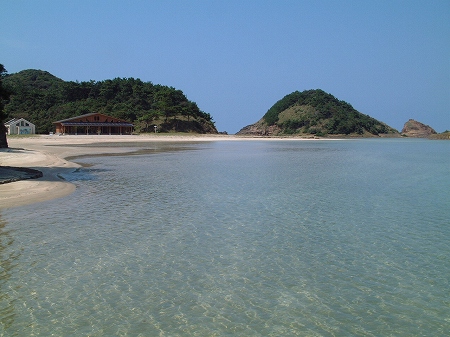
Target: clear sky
390,59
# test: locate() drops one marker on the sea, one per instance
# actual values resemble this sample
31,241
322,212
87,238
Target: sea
237,238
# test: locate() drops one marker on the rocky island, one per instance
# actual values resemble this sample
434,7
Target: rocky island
416,129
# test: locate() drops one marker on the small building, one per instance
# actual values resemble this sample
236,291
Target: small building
20,126
93,124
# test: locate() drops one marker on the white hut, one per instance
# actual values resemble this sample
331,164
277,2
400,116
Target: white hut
20,126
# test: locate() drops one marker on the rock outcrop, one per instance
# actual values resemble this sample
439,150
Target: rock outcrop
416,129
259,129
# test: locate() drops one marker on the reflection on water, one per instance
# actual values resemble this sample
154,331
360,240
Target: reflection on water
131,149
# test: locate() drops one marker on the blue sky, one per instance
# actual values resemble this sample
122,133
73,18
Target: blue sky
235,59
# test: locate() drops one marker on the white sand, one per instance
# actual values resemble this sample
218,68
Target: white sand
46,153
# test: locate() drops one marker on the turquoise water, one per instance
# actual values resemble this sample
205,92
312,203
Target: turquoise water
245,238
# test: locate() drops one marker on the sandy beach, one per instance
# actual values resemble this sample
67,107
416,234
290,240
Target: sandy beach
47,154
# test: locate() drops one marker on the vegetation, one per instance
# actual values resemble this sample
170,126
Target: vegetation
42,98
317,112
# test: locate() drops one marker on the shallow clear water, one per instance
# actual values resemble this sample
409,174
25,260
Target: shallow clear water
251,238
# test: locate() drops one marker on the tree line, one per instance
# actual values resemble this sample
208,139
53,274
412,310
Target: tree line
43,99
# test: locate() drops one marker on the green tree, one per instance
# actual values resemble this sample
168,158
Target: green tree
147,119
44,98
4,95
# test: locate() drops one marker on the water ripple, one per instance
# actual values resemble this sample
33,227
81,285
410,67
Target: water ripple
246,239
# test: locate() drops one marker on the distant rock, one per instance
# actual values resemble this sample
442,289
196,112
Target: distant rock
444,135
259,129
416,129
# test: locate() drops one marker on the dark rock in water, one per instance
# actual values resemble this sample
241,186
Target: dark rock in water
416,129
9,174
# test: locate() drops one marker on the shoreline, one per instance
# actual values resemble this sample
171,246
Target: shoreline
10,174
47,154
53,155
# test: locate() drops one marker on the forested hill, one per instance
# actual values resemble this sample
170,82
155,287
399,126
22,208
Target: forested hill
315,112
42,98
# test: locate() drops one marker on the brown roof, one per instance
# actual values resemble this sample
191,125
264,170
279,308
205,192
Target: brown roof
72,119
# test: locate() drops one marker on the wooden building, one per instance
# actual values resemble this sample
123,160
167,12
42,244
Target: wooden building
93,124
20,126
